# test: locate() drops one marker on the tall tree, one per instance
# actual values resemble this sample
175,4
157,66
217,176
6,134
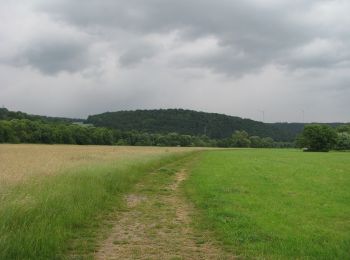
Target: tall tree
317,137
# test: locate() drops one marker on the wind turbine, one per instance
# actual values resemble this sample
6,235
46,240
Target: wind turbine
303,115
263,115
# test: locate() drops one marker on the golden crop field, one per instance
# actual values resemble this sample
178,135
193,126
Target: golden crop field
19,162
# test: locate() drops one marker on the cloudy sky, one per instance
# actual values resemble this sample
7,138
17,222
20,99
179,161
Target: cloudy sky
238,57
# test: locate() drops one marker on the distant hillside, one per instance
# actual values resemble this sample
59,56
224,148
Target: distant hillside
6,114
186,122
193,123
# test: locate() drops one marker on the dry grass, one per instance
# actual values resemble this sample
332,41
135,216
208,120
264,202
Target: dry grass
59,194
18,162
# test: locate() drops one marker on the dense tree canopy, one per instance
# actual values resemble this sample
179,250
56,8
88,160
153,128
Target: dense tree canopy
5,114
183,122
240,139
37,131
343,138
317,137
140,128
216,126
30,131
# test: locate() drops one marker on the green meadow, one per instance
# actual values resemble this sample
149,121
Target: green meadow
274,204
249,203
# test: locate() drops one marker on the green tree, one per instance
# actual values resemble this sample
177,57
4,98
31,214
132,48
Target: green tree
240,139
255,141
343,129
185,140
317,137
343,141
7,134
267,142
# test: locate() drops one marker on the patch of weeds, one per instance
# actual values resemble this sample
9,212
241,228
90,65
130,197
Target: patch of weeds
166,170
158,226
159,204
171,226
164,191
200,241
136,252
176,258
120,242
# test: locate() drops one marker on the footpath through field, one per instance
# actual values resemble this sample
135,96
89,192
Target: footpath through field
157,224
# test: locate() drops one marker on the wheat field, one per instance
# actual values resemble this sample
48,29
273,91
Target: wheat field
18,162
52,195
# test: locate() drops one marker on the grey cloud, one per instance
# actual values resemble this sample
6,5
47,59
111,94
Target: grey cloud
264,33
280,55
54,56
229,62
319,53
136,54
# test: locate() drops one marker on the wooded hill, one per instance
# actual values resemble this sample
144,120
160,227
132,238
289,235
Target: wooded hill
6,114
180,121
216,126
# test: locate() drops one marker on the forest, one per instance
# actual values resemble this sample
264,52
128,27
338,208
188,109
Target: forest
19,127
38,131
189,122
215,126
177,128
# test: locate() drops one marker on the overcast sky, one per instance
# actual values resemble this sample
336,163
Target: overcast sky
238,57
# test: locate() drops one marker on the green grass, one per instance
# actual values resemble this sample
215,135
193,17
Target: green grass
275,203
42,219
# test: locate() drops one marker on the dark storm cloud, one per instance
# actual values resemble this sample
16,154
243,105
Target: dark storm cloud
251,34
257,35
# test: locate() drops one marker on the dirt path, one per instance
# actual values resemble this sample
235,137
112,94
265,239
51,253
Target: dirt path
157,225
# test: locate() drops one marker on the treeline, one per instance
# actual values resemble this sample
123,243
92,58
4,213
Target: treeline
184,122
19,127
343,138
322,138
32,131
238,139
242,139
6,114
